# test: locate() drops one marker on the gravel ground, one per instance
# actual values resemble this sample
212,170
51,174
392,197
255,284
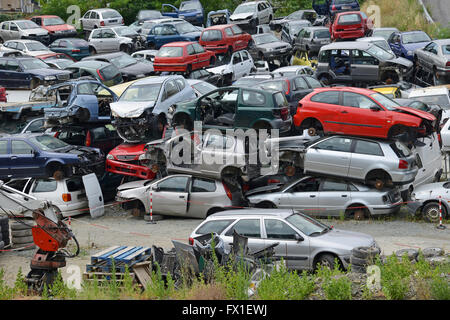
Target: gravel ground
118,227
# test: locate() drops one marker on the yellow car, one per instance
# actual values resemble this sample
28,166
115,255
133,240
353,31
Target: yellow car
118,89
389,91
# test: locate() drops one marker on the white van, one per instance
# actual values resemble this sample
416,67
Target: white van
429,160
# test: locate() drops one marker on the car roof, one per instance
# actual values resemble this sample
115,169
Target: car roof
23,135
298,21
349,89
105,55
23,41
103,9
179,44
45,16
343,45
219,27
95,64
441,41
412,31
347,12
368,39
159,79
289,68
252,212
385,28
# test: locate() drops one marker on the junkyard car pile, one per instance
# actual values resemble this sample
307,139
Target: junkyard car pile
204,120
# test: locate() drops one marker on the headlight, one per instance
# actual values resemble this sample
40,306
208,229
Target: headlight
198,14
142,157
49,78
171,109
114,114
110,157
269,49
181,16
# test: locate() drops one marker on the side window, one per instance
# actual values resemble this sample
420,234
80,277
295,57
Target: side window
203,185
86,15
44,186
300,83
247,228
328,97
277,229
190,50
171,89
74,184
168,31
307,34
314,83
236,29
96,34
174,184
4,147
5,26
324,56
13,65
198,48
11,45
21,147
214,226
18,184
361,57
245,56
228,32
107,33
218,141
3,64
20,46
14,27
368,147
237,58
157,30
308,185
357,101
334,185
63,44
180,83
36,126
335,144
253,98
99,133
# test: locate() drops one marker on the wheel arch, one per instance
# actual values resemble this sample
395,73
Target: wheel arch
323,252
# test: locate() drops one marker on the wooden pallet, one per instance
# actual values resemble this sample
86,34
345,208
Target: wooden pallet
105,278
119,256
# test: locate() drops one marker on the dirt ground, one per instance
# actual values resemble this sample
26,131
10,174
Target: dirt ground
119,227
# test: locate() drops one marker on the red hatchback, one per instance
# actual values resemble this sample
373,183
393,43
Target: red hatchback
350,25
183,56
55,26
360,112
224,38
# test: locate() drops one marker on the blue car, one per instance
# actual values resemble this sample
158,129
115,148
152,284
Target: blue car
39,155
79,101
331,7
28,73
191,11
167,32
403,44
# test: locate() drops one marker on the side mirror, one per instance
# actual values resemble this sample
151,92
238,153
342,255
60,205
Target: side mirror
298,237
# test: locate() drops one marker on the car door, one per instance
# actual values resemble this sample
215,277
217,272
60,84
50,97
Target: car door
85,21
285,33
96,40
238,38
365,153
169,96
364,67
25,161
250,228
292,247
332,155
303,195
299,40
247,63
169,10
360,115
14,31
327,104
5,31
110,40
94,195
5,160
16,75
334,195
216,148
170,195
394,42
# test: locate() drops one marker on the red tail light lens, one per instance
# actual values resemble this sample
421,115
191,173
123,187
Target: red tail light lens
88,139
76,50
333,8
102,23
447,64
100,75
227,191
273,181
191,241
67,197
56,135
288,87
403,164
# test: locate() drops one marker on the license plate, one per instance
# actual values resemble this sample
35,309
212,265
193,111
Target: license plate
346,7
112,20
324,41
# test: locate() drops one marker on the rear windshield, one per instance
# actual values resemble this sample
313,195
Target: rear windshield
415,37
215,226
79,43
111,14
446,49
212,35
400,149
344,1
109,72
170,52
74,184
280,99
350,19
275,85
322,34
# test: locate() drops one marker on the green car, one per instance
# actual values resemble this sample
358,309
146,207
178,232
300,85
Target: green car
235,108
104,72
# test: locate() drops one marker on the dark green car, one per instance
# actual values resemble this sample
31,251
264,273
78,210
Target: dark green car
235,107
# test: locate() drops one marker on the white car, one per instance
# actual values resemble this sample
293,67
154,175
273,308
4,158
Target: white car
251,14
112,39
240,64
67,195
439,95
148,55
379,41
98,18
22,29
27,47
294,70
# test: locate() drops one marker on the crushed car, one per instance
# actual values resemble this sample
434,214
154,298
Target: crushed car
268,47
233,67
218,17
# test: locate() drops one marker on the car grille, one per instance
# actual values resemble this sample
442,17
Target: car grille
280,48
126,157
63,77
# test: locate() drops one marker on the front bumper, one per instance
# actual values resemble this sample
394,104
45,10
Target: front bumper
413,207
44,39
63,34
387,209
129,169
277,54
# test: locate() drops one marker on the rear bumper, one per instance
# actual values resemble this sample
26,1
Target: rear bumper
217,49
403,177
282,125
169,67
127,169
348,34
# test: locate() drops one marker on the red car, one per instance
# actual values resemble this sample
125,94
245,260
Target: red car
350,25
2,94
124,160
360,112
183,56
224,38
55,26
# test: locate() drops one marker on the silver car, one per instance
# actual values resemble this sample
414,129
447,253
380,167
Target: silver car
329,197
303,242
435,59
114,39
27,47
176,195
425,201
379,41
312,39
374,162
98,18
22,29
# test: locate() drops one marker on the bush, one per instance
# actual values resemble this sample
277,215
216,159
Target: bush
395,277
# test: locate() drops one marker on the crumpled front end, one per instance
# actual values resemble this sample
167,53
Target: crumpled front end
135,130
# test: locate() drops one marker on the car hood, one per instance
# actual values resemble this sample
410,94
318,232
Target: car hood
128,149
133,185
238,16
274,45
346,238
130,109
38,53
61,27
402,61
139,68
220,69
48,72
414,46
79,150
36,31
418,113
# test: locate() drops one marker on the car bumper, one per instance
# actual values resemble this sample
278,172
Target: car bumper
282,125
43,39
217,49
64,34
169,67
403,177
413,207
128,169
349,34
277,54
386,209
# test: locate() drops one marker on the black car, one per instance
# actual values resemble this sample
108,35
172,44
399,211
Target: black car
131,68
205,75
28,72
295,87
268,47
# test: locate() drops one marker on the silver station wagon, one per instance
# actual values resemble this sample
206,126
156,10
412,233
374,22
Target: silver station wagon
303,242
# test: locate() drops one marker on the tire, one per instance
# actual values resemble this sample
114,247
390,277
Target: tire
189,69
21,233
124,48
365,252
354,261
266,204
92,51
83,115
325,260
156,124
20,226
411,253
358,269
22,240
430,212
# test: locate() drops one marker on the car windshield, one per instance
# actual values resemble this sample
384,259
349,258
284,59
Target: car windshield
343,1
383,33
204,87
111,14
185,27
24,25
191,5
245,8
380,53
61,63
246,82
322,34
415,37
142,92
306,224
382,44
125,31
47,143
53,21
297,15
441,100
36,46
149,14
123,61
170,52
266,38
31,64
446,49
385,101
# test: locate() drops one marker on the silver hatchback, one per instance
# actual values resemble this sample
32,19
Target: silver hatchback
374,162
303,242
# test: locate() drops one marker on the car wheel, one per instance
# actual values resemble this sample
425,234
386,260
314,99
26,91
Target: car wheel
326,260
83,115
158,124
358,212
379,179
266,204
92,51
212,61
124,48
430,212
189,69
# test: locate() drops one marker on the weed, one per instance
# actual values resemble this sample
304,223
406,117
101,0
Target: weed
20,286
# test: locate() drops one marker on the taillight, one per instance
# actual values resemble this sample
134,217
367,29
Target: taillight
403,164
333,8
56,134
191,241
227,191
288,87
66,197
123,21
88,141
273,181
76,50
447,64
100,75
102,23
